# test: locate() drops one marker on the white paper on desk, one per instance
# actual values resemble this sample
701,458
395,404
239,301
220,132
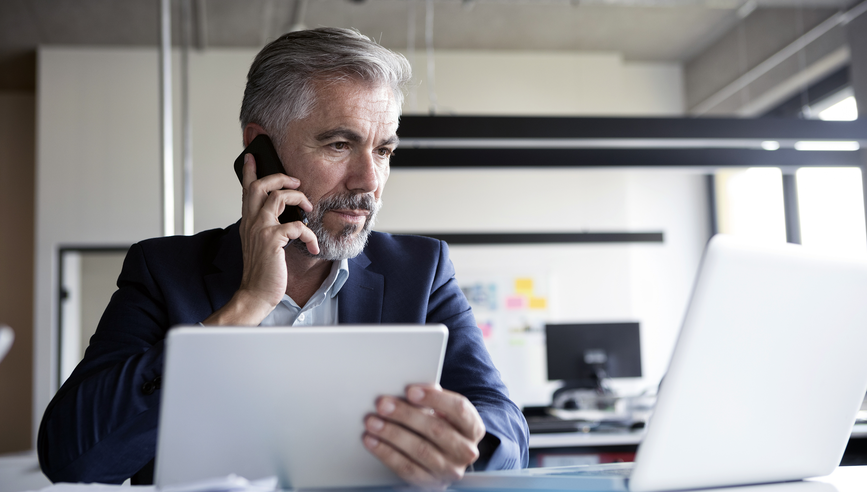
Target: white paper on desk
230,483
96,487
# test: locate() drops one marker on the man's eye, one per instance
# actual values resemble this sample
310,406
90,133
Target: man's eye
385,152
340,145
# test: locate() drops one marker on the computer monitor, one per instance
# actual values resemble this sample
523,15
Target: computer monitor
584,354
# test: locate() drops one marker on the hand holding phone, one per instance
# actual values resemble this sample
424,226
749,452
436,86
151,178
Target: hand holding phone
265,273
267,163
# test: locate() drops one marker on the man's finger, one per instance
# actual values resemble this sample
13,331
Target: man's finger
278,200
454,407
408,470
299,231
423,421
276,180
248,172
418,449
251,202
271,194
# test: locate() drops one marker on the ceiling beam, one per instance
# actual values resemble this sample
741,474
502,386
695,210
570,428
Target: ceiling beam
500,142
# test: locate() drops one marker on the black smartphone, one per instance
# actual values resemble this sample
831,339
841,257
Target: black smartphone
267,163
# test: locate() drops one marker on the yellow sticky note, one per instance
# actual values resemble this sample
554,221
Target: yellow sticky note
523,286
538,303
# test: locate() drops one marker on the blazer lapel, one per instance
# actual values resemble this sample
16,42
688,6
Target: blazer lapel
360,299
222,284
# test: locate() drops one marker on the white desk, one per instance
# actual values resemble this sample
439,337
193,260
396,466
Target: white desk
846,479
598,439
20,473
579,448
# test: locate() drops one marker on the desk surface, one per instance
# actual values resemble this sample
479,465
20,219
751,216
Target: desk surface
20,473
846,479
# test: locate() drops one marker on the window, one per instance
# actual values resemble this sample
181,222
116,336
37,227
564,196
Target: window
837,107
750,203
831,206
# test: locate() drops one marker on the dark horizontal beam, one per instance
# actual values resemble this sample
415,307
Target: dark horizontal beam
493,158
87,248
547,237
471,127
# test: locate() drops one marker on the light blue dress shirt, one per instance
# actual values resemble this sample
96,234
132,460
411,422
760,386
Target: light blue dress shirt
320,310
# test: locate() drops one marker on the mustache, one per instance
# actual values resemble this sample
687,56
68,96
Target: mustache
358,201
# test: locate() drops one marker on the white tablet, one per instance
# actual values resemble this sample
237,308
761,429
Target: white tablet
285,402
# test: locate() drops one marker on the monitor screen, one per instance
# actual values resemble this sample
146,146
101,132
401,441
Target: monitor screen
582,352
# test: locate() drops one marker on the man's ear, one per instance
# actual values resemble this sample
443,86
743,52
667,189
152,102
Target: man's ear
251,131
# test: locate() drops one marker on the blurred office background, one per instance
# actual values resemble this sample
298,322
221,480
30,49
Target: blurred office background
80,154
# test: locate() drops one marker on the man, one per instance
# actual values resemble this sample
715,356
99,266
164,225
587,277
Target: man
330,101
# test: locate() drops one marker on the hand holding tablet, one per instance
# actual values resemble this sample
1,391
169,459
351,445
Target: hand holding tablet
429,439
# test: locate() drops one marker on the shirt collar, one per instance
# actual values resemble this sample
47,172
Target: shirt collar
342,269
332,284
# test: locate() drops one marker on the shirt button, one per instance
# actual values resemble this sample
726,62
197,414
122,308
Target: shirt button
149,387
301,317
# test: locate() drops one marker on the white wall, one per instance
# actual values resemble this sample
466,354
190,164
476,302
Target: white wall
649,283
554,83
97,170
98,174
217,81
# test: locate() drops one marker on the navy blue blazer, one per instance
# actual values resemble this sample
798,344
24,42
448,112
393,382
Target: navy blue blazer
101,426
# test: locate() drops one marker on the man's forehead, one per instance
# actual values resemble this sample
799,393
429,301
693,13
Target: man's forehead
354,99
346,114
352,121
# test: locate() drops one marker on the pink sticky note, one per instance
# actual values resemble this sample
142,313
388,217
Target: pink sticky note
516,301
486,329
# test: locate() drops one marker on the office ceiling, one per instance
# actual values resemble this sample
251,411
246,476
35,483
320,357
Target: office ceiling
642,30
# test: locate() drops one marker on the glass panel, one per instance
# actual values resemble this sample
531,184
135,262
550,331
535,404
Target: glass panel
840,106
831,206
89,279
750,203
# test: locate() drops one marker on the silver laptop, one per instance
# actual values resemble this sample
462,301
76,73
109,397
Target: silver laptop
285,402
764,383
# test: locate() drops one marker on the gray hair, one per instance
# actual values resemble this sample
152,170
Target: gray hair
282,80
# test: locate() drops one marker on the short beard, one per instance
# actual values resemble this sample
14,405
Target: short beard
349,242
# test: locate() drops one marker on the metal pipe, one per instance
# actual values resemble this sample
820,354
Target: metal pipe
186,121
201,25
410,53
299,11
790,207
431,65
267,22
166,134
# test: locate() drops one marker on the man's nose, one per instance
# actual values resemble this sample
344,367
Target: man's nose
363,174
